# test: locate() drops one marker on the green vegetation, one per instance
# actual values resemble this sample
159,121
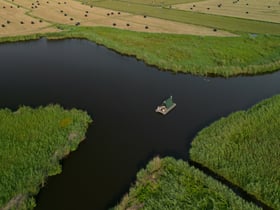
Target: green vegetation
213,21
32,142
245,149
190,54
171,184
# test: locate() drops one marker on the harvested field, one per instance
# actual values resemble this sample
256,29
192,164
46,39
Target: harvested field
72,12
264,10
14,21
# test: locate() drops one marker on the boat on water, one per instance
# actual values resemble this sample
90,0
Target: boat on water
166,106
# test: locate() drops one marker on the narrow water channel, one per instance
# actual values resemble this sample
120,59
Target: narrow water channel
121,94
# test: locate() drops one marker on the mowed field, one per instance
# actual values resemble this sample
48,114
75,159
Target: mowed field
14,21
40,15
264,10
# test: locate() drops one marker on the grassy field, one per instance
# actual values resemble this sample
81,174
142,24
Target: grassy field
264,10
245,149
32,142
170,184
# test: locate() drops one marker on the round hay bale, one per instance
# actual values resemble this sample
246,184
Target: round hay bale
8,22
11,7
112,13
145,16
247,12
86,11
108,14
65,2
61,11
127,24
71,19
3,25
86,15
21,22
119,13
32,22
65,14
4,7
40,21
146,27
214,29
114,24
77,24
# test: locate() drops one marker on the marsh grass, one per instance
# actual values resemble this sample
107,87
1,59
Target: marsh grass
245,149
32,142
173,184
219,56
198,55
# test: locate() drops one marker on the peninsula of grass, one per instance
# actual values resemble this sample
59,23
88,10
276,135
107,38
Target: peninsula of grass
173,184
32,142
245,149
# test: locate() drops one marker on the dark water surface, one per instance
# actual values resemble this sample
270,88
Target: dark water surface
121,94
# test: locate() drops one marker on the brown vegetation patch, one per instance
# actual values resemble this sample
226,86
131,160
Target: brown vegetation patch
18,23
264,10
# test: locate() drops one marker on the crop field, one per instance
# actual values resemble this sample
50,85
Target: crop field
167,12
14,21
264,10
41,16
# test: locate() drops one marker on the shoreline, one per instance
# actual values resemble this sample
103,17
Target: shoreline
92,34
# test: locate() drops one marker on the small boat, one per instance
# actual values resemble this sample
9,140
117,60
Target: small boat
166,106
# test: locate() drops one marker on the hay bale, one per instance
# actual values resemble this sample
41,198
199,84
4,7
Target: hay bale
71,19
32,22
8,22
214,29
77,24
127,24
21,22
40,21
86,15
119,13
146,27
3,25
65,14
114,24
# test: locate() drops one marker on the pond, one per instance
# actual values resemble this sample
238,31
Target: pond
121,95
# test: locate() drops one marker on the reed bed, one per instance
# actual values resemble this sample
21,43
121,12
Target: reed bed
173,184
32,142
245,149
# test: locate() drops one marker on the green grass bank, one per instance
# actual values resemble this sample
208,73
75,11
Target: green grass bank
32,142
198,55
173,184
245,149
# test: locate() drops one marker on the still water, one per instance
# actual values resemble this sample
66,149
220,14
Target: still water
121,94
